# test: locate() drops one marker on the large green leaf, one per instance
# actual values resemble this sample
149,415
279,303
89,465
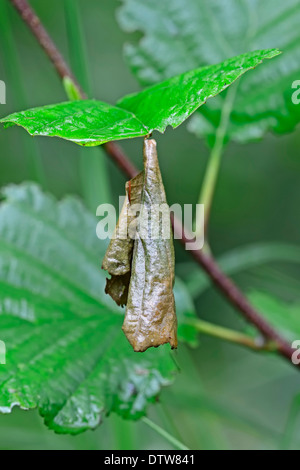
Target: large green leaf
181,34
166,104
66,353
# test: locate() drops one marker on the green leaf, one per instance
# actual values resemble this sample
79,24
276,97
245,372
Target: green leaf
185,310
283,316
179,35
167,104
65,351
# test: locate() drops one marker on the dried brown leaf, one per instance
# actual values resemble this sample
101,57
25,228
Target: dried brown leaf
143,269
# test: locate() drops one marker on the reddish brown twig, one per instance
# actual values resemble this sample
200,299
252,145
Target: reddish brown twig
232,292
220,280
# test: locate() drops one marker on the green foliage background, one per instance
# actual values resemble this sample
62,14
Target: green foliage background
225,397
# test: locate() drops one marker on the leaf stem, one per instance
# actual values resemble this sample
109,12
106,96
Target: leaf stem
213,166
232,336
233,294
175,442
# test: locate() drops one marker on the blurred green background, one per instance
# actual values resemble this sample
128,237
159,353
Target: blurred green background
225,397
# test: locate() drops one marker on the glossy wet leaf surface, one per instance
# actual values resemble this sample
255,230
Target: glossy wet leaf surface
169,103
178,35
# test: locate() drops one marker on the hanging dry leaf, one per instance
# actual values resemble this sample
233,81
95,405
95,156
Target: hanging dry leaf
143,269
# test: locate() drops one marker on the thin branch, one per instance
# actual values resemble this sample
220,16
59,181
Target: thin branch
221,281
34,23
173,441
121,160
233,294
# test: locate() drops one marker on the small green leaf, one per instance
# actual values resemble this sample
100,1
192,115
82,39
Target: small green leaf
240,259
169,103
65,351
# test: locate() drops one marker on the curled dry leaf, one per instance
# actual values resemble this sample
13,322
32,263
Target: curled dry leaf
118,257
140,259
